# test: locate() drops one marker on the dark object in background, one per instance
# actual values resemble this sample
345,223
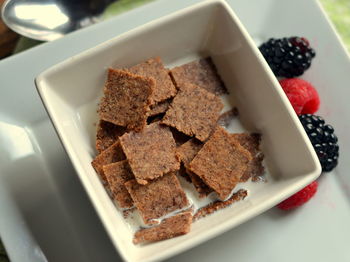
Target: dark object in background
78,9
8,38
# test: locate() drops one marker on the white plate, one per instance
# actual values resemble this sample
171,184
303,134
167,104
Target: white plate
45,213
69,91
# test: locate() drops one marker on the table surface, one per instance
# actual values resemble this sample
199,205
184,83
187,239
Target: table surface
338,11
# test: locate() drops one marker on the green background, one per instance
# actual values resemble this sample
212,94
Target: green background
337,10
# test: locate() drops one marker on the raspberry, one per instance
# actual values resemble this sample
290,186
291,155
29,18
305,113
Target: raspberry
299,198
301,94
288,57
323,139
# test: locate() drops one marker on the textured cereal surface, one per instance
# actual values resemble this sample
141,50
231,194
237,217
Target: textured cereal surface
154,68
107,133
201,73
186,153
171,227
157,198
221,162
151,152
117,174
217,205
194,111
159,108
126,99
251,142
112,154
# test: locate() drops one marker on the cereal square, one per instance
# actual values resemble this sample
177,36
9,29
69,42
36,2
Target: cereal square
154,68
171,227
157,198
107,133
112,154
194,111
221,163
117,174
126,99
251,142
201,73
151,152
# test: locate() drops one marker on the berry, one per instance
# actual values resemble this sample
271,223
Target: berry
288,57
323,139
301,94
300,197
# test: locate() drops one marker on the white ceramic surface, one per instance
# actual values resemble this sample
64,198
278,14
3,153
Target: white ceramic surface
69,91
45,213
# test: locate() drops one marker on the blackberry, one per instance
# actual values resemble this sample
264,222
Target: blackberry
323,139
288,57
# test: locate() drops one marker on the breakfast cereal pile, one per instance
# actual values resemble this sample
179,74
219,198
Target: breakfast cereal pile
157,125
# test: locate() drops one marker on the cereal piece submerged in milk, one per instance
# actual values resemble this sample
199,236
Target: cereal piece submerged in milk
171,227
251,142
158,198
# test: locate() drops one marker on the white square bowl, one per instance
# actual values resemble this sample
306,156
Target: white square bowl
70,92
